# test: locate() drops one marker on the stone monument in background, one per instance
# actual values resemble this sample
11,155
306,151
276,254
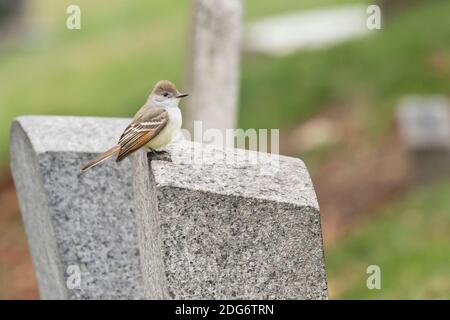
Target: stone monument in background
214,64
424,124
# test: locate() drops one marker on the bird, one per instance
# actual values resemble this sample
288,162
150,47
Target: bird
153,126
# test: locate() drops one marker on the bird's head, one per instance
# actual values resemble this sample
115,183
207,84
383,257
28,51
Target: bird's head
165,94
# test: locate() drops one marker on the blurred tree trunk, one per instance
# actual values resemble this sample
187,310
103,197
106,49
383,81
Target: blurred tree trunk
10,9
392,6
10,17
213,66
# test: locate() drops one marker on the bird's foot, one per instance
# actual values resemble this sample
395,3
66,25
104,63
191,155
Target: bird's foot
160,155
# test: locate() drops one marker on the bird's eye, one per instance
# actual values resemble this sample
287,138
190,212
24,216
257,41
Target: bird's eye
165,94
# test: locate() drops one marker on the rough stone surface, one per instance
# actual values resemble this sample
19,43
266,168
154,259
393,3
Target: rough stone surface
86,220
249,229
211,223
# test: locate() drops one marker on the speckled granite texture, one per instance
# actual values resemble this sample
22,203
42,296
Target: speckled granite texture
86,220
249,229
183,229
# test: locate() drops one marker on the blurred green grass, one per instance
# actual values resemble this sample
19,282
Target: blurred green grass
108,67
409,241
371,73
123,48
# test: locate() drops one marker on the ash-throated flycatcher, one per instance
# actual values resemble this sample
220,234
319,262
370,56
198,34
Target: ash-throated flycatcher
153,126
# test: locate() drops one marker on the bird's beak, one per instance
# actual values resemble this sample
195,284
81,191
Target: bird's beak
182,95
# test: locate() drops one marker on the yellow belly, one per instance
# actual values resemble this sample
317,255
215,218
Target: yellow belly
166,135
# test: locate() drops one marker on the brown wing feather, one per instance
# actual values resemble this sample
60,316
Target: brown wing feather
146,125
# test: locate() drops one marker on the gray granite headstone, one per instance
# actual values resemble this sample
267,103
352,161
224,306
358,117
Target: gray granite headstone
76,221
228,224
180,229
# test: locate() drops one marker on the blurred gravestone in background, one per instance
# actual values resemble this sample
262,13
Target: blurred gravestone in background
424,124
10,17
313,29
213,67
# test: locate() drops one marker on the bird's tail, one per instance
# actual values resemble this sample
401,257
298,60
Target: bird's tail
104,156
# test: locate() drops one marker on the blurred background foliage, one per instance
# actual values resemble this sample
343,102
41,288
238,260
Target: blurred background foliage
108,67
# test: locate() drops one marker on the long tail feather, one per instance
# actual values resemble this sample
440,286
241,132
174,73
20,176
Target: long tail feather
104,156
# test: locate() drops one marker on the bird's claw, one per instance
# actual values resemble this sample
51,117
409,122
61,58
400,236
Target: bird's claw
160,155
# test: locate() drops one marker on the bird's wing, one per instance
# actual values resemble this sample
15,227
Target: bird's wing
143,129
